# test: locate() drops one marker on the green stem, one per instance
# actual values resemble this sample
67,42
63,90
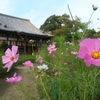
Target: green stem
91,16
95,76
55,91
85,93
18,92
32,48
44,89
70,13
48,62
73,23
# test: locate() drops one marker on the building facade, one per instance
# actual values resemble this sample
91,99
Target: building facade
18,31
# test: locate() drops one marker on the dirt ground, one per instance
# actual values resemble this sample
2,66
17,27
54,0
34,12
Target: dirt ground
25,90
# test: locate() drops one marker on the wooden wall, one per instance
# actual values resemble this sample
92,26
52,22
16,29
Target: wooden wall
21,44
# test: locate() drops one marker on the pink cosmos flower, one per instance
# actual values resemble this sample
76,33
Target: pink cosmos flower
52,48
90,51
48,41
54,43
57,73
70,43
40,59
74,53
28,64
14,79
37,77
49,54
10,57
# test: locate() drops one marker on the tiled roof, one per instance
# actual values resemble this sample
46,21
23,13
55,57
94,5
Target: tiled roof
10,23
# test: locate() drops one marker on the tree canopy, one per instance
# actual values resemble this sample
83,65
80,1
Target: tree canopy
63,25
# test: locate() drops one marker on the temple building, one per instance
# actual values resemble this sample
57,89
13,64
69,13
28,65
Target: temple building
18,31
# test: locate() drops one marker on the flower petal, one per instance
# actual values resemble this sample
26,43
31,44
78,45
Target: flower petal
96,62
15,75
14,79
83,51
8,52
88,62
8,65
97,45
11,80
16,58
14,50
19,78
5,59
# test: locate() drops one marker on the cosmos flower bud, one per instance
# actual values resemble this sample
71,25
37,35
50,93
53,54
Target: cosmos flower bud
94,7
31,41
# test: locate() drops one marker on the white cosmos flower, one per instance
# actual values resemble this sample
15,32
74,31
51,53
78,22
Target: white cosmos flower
42,67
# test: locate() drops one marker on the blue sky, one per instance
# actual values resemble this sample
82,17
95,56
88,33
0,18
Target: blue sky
37,11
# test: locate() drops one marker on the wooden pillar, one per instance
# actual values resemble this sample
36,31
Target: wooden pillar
25,45
7,39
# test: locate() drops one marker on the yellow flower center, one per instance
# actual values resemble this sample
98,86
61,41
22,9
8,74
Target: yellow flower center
11,58
27,65
96,55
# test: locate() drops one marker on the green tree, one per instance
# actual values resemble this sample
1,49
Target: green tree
51,24
91,33
54,22
96,35
64,25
